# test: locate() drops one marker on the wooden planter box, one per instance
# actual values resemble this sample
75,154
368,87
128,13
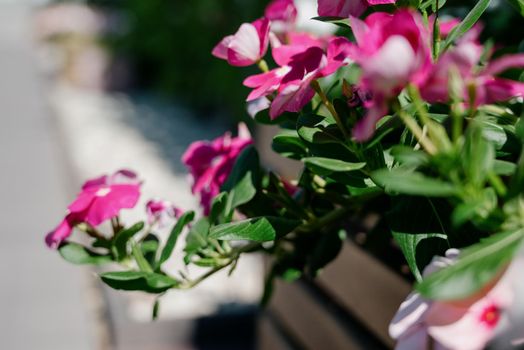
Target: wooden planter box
349,306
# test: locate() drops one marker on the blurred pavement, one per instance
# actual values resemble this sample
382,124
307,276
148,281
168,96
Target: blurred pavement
43,300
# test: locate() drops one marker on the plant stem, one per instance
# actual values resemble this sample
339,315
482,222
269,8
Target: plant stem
325,100
412,125
497,184
262,64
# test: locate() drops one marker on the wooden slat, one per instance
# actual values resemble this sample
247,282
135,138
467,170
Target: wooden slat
310,323
269,337
366,288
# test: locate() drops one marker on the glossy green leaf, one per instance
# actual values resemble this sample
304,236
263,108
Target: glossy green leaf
80,255
123,237
197,237
241,183
138,281
288,144
331,165
257,229
318,129
477,266
412,183
341,22
218,206
182,222
409,242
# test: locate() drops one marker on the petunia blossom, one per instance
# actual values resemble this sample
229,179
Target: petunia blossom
247,46
160,211
467,324
302,61
211,162
101,199
393,51
346,8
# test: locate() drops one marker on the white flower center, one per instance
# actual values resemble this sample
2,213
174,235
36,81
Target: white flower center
103,192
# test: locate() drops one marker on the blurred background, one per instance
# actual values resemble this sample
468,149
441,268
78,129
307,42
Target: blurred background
88,87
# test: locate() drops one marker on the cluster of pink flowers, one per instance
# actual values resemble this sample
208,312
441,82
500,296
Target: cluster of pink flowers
468,324
210,163
101,199
392,50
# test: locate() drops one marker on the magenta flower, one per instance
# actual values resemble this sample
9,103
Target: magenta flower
393,51
160,212
101,199
465,59
210,163
281,11
463,324
302,61
247,46
346,8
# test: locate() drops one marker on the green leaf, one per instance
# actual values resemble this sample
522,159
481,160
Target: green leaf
477,265
121,239
479,207
505,168
409,244
241,181
182,222
341,22
468,22
288,144
419,225
196,238
79,255
257,229
138,281
218,206
149,248
408,156
318,129
519,5
477,156
413,183
329,165
141,261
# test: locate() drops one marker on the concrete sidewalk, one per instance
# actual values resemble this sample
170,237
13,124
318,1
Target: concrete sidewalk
43,299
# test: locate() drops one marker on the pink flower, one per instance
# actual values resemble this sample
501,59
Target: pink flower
159,212
101,199
346,8
464,324
210,163
393,51
302,61
247,46
465,59
281,11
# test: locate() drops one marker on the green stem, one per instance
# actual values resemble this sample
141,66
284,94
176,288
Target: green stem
142,263
415,129
262,64
497,184
325,100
